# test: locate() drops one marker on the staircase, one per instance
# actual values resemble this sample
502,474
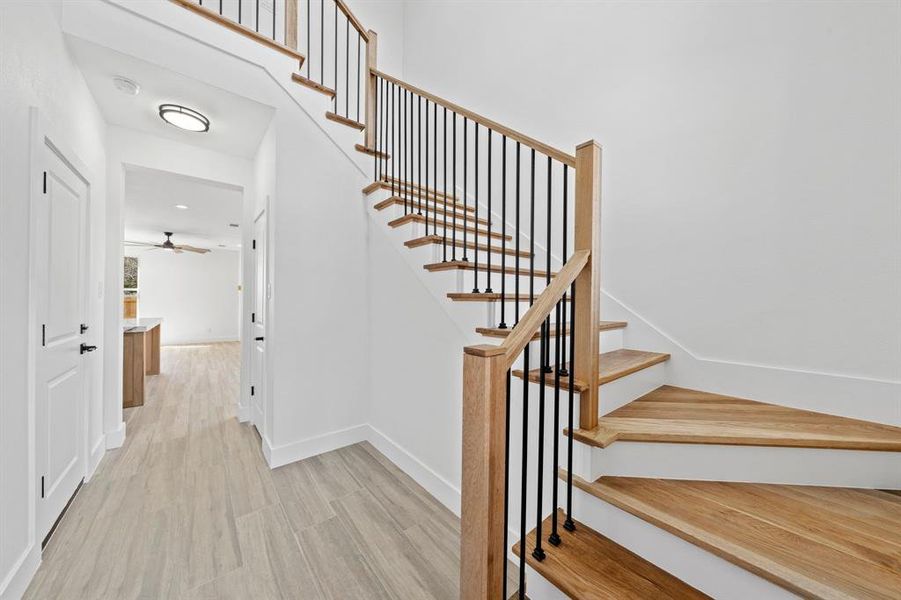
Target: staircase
661,492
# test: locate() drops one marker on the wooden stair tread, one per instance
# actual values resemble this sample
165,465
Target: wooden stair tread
471,231
798,537
483,267
439,240
417,192
614,365
590,566
497,332
672,414
429,208
322,89
371,152
430,201
488,297
344,121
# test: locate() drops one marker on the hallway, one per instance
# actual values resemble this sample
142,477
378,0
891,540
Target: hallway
187,508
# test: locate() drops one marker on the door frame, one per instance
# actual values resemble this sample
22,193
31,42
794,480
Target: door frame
264,388
41,137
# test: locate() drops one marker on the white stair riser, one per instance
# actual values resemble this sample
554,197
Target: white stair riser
704,570
756,464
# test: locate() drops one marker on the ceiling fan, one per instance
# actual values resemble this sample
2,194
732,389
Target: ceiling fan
168,245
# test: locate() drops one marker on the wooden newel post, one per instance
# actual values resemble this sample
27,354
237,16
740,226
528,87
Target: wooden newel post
371,87
588,284
291,24
482,552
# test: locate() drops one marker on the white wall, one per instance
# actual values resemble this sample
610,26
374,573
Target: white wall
36,70
196,295
751,157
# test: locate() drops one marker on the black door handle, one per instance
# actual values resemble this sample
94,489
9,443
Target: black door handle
259,339
86,348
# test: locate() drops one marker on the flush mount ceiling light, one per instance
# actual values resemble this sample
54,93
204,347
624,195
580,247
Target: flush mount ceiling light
181,207
184,118
126,85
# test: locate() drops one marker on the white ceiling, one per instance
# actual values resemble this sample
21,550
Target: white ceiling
237,124
150,199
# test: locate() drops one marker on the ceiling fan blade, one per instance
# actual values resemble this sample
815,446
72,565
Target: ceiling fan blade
193,249
177,250
130,243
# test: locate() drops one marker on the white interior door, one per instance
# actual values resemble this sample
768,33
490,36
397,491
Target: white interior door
258,325
60,304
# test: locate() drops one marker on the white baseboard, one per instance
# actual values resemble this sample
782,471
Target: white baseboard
243,413
96,456
436,485
16,581
289,453
115,437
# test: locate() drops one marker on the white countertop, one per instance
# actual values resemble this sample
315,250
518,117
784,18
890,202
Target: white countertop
140,325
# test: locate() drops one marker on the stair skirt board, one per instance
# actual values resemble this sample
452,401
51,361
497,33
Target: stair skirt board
740,463
715,576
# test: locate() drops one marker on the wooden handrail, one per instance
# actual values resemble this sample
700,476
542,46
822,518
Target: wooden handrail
531,322
239,28
567,159
353,19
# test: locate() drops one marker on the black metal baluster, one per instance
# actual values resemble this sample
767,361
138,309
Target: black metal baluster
403,165
525,463
488,289
465,188
375,161
257,22
516,234
538,552
547,348
425,190
336,58
532,232
346,67
564,371
506,484
454,189
393,148
220,8
240,15
503,323
569,524
419,162
273,17
308,34
435,169
358,75
322,41
475,235
444,155
554,537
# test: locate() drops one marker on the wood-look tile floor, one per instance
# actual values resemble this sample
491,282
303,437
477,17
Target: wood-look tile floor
188,508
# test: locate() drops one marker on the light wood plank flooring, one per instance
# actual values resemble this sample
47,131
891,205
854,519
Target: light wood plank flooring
187,508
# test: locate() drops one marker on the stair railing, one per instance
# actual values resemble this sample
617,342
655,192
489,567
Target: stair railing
440,162
333,49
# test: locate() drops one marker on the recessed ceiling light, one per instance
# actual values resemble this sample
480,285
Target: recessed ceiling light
181,207
126,85
184,118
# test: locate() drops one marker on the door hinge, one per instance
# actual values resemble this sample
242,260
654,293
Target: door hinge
83,328
253,317
43,335
251,390
42,486
254,244
45,182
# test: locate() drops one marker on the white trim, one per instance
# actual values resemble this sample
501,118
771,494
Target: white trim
288,453
21,574
115,437
436,485
95,457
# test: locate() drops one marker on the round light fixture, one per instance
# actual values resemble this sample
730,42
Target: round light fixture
181,207
126,85
184,118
